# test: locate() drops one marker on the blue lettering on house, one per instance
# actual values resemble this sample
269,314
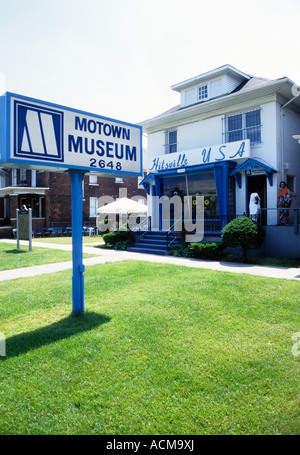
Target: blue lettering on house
240,151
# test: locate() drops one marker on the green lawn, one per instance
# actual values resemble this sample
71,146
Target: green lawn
68,240
12,258
161,349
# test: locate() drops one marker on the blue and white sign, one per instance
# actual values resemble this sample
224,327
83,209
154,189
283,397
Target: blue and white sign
204,155
35,133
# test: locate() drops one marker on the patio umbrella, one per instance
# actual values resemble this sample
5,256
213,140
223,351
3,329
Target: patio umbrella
123,206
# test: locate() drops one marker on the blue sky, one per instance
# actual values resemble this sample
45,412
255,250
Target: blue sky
118,58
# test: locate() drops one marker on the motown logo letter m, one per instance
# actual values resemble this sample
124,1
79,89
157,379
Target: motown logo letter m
38,132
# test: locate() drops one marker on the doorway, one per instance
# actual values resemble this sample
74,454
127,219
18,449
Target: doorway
258,184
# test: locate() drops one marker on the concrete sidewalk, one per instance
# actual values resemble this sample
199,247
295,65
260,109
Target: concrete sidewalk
105,256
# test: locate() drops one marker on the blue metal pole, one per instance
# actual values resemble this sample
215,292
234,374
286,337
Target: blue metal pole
78,267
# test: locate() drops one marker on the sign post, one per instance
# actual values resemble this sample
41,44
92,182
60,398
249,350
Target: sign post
78,267
35,134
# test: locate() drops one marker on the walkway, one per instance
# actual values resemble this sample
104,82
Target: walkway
105,256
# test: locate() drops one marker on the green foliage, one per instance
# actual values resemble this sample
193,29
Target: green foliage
123,245
111,238
208,250
180,250
243,232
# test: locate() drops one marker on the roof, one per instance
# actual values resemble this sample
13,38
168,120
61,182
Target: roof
249,89
225,69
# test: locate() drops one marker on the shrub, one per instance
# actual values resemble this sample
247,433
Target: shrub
179,250
111,238
122,245
208,250
243,232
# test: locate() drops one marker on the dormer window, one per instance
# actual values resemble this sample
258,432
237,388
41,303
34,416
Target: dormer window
207,86
202,93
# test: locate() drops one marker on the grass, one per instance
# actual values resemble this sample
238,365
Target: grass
265,261
160,350
68,240
12,258
98,242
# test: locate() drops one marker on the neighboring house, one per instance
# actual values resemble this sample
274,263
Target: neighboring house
230,136
48,194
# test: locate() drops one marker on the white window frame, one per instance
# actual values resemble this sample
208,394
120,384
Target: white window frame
200,90
93,179
23,176
14,177
239,129
93,207
171,147
33,178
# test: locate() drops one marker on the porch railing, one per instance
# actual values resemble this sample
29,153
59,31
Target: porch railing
271,217
172,233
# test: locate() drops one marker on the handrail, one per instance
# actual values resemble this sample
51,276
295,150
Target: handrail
139,227
172,230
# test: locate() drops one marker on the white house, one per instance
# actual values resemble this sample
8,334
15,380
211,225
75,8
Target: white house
231,135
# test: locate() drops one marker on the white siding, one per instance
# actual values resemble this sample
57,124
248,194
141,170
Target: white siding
231,84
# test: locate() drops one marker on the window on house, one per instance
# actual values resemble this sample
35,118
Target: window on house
290,181
202,93
119,180
93,206
2,180
14,177
93,179
33,178
171,141
246,125
22,175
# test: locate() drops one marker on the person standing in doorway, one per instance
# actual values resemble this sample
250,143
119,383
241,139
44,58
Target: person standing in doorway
284,202
254,207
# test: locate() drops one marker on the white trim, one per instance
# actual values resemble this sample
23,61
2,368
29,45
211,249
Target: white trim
214,73
16,190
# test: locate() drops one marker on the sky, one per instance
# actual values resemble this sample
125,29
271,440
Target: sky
119,58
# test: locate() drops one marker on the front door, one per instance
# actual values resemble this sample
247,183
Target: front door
258,184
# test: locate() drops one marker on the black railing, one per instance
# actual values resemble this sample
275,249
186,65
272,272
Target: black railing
271,217
173,232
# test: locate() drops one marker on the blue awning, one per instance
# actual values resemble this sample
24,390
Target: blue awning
253,164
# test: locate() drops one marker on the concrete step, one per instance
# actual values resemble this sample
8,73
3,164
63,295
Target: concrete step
152,250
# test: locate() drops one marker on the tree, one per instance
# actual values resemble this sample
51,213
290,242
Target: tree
243,232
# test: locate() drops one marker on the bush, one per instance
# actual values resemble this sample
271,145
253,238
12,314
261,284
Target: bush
208,250
122,245
243,232
111,238
180,250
